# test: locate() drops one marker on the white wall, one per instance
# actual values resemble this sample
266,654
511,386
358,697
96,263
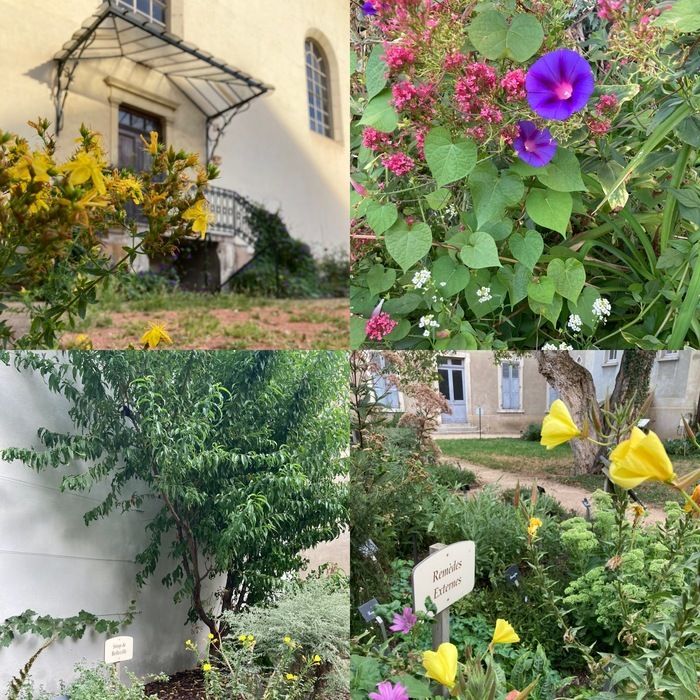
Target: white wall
52,563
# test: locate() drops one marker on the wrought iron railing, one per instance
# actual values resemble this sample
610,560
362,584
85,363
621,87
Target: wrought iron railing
231,213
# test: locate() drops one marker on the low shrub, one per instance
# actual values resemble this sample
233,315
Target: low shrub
533,432
452,476
680,447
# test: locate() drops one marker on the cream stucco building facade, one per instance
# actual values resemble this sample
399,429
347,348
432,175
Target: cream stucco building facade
504,397
286,146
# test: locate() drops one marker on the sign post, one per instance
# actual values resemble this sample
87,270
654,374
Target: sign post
445,576
119,649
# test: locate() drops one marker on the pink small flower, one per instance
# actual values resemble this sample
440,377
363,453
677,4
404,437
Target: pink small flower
606,104
454,61
513,84
404,621
403,93
398,163
360,189
380,325
598,127
373,139
388,691
397,56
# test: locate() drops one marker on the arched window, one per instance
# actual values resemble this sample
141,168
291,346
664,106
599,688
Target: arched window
318,89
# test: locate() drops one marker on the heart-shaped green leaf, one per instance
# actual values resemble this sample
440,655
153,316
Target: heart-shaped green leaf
568,276
380,279
550,209
480,252
516,279
380,113
449,276
407,246
549,311
488,31
524,37
448,160
381,217
563,174
541,290
526,248
375,72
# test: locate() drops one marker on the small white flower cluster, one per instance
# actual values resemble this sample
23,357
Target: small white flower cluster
602,309
575,323
428,322
484,294
421,278
554,346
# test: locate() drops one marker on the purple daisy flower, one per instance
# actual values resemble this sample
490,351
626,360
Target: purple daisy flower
534,146
368,8
388,691
404,621
559,84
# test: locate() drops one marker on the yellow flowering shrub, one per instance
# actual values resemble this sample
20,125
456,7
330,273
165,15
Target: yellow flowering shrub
55,213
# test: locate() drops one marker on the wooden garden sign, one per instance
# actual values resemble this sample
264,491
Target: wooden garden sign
445,576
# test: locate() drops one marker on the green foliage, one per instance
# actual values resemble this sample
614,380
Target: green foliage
102,683
612,219
451,475
243,451
532,433
680,446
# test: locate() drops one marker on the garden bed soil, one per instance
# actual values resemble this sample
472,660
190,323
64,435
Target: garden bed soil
186,685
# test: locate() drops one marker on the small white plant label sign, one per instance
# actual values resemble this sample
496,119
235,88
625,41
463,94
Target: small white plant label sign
119,649
445,576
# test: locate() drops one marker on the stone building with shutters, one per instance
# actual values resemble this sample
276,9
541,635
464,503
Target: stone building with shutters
504,397
261,87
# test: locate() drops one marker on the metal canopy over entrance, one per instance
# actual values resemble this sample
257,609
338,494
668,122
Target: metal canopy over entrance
217,90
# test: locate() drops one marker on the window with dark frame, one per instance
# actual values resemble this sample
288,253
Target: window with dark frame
134,124
155,10
318,90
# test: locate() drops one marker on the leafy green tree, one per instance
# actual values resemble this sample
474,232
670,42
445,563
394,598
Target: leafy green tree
241,455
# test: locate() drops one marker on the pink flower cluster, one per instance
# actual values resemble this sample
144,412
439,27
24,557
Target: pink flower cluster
607,104
610,9
398,56
513,84
375,140
380,325
398,163
598,127
414,98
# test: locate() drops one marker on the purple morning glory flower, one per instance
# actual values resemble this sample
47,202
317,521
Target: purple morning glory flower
387,691
403,622
559,84
368,8
534,146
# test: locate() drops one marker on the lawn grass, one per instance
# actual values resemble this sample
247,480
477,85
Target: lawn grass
531,459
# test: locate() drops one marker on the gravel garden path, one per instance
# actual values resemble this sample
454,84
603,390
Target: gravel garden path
570,497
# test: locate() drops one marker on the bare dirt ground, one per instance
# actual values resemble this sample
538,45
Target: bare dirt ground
570,497
284,325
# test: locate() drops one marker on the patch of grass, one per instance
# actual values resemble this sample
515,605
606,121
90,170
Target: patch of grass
197,325
531,459
250,332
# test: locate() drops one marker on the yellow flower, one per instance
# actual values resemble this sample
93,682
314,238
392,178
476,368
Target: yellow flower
188,644
206,668
640,458
85,167
152,145
695,497
558,426
291,677
241,638
199,214
638,511
155,335
532,528
316,660
250,638
504,633
441,665
82,342
210,635
34,166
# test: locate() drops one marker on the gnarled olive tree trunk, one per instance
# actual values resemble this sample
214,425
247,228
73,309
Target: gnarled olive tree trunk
577,390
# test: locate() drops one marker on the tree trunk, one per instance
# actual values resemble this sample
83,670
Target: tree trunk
577,390
632,381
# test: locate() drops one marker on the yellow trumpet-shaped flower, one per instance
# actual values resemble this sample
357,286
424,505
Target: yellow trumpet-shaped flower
558,426
504,633
640,458
199,215
533,526
155,335
85,167
441,665
695,498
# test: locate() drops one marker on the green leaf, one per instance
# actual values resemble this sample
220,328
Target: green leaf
550,209
381,217
454,276
448,161
480,252
438,199
407,246
568,276
401,330
584,306
375,72
488,32
524,37
549,311
380,279
402,305
683,16
380,113
516,278
614,189
527,248
357,331
491,193
414,687
563,174
541,290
